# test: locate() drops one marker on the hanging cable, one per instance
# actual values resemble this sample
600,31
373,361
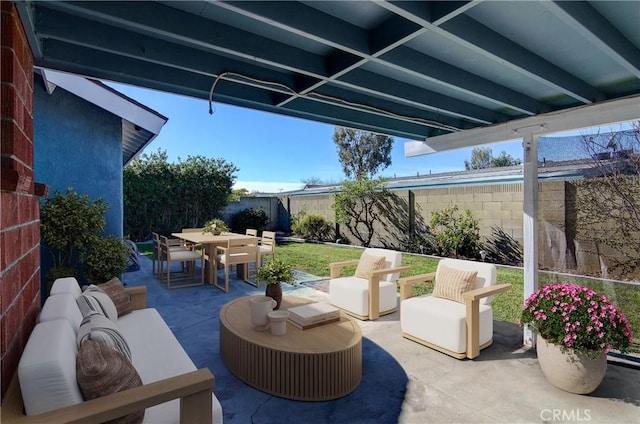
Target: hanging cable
288,89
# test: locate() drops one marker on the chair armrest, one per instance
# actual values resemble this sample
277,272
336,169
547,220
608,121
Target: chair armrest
335,267
385,271
477,294
472,306
138,296
193,389
406,283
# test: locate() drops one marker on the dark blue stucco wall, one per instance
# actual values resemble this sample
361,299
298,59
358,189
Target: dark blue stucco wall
78,145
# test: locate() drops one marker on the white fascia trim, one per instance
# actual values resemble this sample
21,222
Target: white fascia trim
106,99
597,114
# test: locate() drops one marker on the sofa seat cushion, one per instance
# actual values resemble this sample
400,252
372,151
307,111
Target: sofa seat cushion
352,294
442,322
61,306
156,355
47,368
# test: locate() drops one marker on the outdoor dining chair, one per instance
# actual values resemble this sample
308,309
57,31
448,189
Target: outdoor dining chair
182,256
158,258
267,244
239,251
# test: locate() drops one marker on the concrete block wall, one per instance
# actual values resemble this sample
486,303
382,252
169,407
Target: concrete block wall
19,213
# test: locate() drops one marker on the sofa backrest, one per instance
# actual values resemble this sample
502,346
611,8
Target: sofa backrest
486,273
47,368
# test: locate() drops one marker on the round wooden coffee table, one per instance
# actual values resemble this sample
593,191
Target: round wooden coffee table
319,363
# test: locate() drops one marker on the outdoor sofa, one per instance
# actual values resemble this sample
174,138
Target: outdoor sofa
46,388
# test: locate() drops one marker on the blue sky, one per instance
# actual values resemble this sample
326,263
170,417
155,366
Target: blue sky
273,152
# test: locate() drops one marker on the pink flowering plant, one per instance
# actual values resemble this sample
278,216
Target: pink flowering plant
576,317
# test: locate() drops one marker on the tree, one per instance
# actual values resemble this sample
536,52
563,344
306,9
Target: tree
362,154
165,197
504,159
358,206
608,205
482,158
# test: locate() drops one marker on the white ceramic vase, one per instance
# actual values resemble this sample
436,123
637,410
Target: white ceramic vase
570,371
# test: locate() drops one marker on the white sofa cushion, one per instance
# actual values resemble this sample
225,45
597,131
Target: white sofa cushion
442,322
486,273
66,285
157,355
61,306
352,294
47,368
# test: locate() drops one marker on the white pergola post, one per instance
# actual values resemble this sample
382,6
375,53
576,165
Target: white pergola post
530,223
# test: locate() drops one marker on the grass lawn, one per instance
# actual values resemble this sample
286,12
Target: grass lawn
315,258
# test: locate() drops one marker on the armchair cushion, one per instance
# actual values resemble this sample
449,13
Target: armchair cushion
369,263
442,322
451,283
101,371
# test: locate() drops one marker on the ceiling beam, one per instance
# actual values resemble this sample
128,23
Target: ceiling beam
485,42
583,18
598,114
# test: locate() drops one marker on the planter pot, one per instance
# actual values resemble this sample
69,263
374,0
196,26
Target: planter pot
570,371
274,291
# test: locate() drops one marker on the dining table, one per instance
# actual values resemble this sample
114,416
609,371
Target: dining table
209,242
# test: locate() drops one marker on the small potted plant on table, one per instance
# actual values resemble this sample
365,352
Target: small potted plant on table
275,272
215,226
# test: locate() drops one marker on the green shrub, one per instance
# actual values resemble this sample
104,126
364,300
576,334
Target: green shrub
456,234
104,258
418,242
249,218
314,227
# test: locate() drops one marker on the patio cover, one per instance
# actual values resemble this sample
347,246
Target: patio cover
453,73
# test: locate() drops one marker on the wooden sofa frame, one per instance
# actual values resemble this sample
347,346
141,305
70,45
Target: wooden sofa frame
193,389
374,287
472,304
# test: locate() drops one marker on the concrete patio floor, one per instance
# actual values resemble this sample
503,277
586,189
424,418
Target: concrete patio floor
503,385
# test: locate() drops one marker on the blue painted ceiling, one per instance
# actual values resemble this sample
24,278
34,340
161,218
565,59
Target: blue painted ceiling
405,68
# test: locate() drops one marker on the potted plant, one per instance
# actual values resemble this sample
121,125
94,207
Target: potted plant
576,328
104,258
68,224
273,273
215,226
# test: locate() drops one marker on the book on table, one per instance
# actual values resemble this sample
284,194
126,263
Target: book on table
315,324
313,313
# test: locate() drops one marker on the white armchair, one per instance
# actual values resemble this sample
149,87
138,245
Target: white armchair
372,291
457,318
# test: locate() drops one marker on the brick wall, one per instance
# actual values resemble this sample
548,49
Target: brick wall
19,212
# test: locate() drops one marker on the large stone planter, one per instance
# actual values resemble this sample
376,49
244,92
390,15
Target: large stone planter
570,371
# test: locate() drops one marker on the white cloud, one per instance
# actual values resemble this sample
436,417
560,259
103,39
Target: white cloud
267,187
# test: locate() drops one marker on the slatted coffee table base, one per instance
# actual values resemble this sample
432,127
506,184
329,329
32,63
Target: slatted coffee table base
309,376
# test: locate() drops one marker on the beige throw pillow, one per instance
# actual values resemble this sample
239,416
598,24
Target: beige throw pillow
369,263
94,299
451,283
115,290
101,371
